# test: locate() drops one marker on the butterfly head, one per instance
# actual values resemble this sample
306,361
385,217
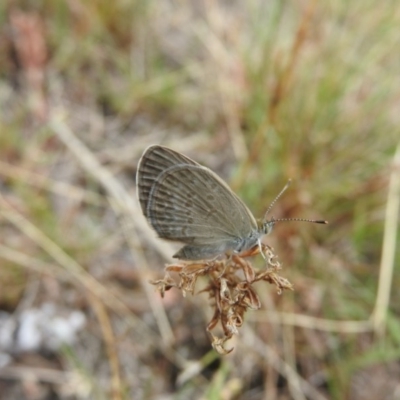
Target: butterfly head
267,226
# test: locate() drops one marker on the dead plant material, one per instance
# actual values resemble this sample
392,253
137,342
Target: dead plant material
230,288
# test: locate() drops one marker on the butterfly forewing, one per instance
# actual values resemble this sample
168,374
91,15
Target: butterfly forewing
191,204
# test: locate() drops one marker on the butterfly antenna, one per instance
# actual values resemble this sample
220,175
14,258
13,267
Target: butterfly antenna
276,199
314,221
273,220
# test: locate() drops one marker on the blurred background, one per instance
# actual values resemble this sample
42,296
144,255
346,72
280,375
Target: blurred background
260,92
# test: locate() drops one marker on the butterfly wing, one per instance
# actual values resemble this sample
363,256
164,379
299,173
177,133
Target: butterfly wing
191,204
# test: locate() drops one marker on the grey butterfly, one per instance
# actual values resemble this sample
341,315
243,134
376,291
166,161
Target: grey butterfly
186,202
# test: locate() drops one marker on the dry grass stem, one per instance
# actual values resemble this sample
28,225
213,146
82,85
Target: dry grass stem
308,322
32,263
43,182
389,247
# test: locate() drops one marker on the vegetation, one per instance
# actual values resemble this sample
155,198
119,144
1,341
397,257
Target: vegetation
260,92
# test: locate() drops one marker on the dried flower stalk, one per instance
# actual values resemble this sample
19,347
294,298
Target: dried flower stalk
230,288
